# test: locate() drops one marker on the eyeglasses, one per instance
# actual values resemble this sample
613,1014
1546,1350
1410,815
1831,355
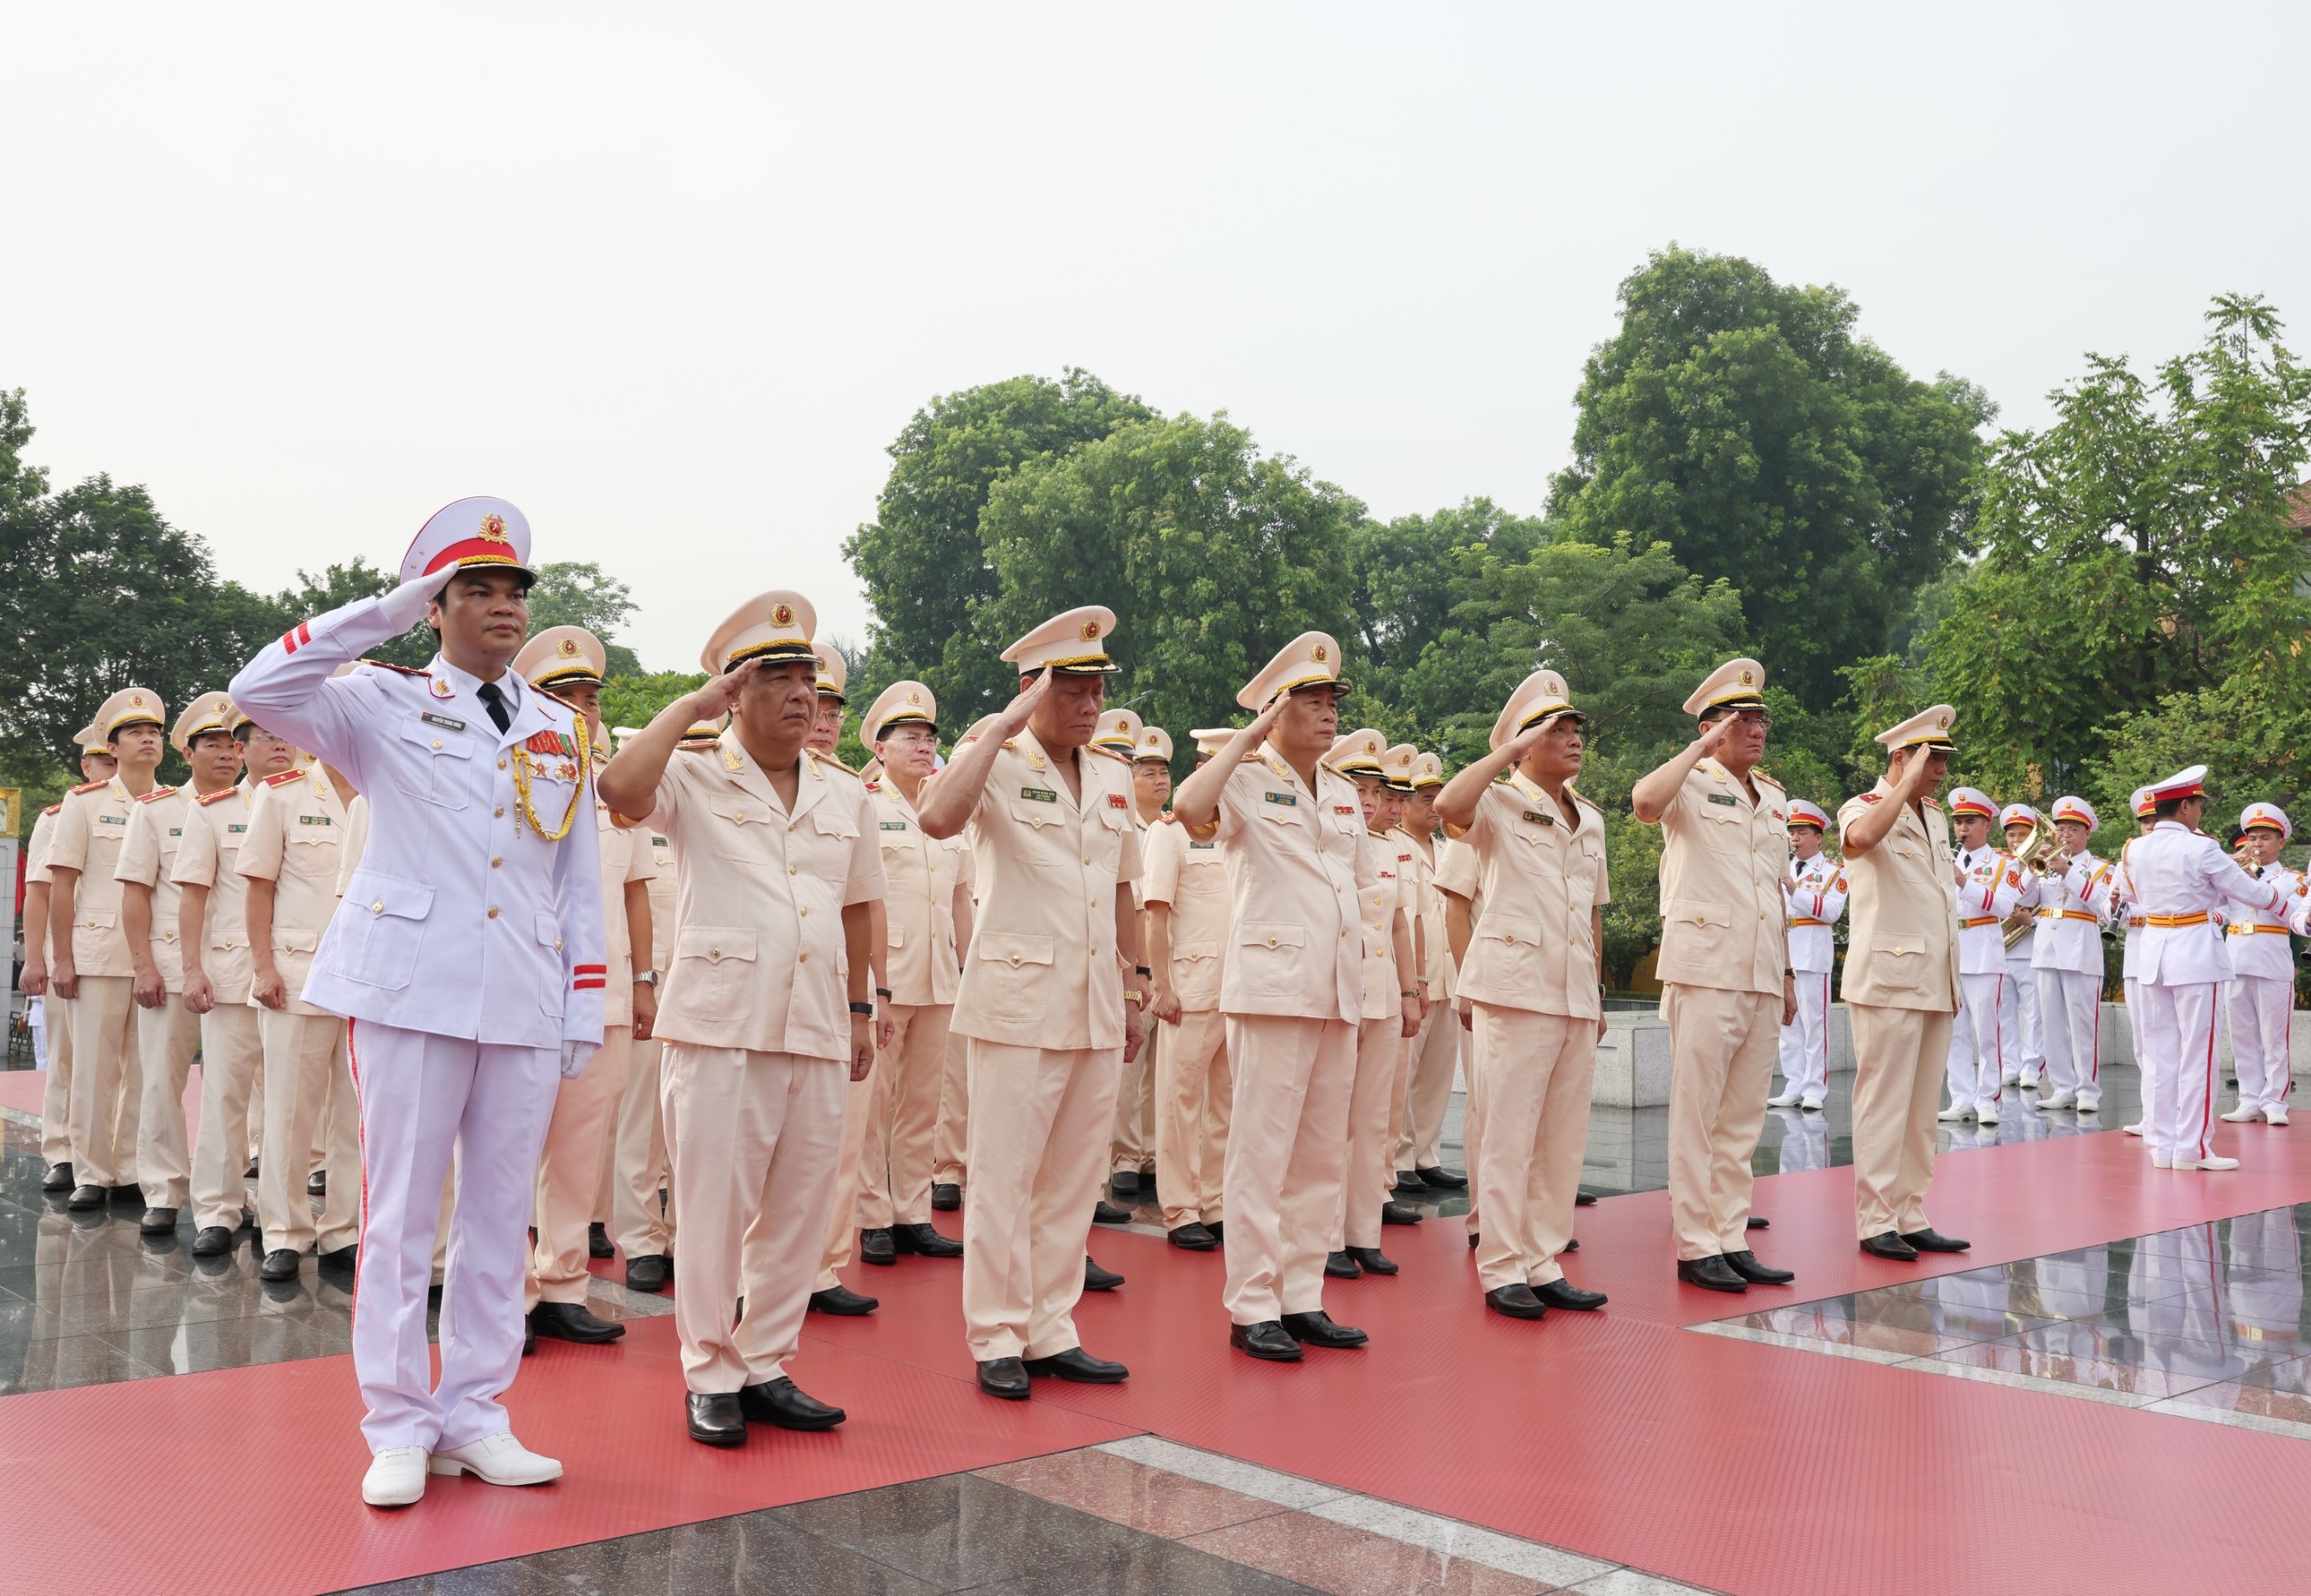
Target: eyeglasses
1757,718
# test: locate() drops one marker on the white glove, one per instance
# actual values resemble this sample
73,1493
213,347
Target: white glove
575,1057
405,605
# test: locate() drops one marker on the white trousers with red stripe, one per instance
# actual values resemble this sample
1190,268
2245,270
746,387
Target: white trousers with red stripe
2262,1010
2178,1088
1805,1040
1981,1042
422,1097
2071,1002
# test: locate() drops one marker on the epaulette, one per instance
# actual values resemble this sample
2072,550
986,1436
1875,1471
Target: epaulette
284,778
218,796
1756,775
1873,797
398,670
88,787
1253,758
1109,753
819,758
53,809
874,784
1931,803
156,794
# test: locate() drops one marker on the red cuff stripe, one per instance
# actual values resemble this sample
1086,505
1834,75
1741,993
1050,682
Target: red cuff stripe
589,969
304,632
586,987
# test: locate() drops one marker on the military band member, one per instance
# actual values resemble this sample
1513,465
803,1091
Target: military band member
96,765
2066,959
1434,1054
1726,985
90,965
1816,896
2261,993
1050,1003
776,863
2182,879
1186,894
1533,977
2027,1066
1292,989
467,954
1901,983
219,974
168,1032
2127,904
1990,888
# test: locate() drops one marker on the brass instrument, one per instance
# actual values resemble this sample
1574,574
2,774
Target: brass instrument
2039,852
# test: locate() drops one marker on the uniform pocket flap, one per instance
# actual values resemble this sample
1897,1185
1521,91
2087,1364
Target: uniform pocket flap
93,919
390,895
998,948
1282,814
1036,811
1716,914
1897,943
295,941
1271,933
833,823
548,931
437,739
1509,928
1189,952
736,811
716,944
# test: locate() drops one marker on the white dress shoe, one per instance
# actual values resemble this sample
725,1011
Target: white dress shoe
396,1478
2056,1099
1787,1100
2134,1129
2275,1115
2010,1079
1813,1103
1987,1114
2241,1114
2087,1105
2159,1162
1954,1112
2215,1163
497,1460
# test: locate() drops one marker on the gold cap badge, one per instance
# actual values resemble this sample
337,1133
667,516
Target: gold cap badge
781,615
493,528
1088,631
1319,654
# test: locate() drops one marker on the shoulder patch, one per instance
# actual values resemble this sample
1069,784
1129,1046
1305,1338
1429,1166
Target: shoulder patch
87,788
1760,775
1873,797
53,809
1109,754
284,778
1931,804
830,760
218,796
156,794
397,670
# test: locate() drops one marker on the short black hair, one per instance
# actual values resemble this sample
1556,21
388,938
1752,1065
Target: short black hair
193,741
2167,809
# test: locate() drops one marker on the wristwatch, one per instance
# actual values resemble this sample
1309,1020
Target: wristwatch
645,977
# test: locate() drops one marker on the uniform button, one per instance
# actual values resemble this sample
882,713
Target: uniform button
802,958
714,952
436,742
492,910
794,869
501,764
378,907
1015,960
557,944
501,811
1271,941
803,912
495,863
1087,858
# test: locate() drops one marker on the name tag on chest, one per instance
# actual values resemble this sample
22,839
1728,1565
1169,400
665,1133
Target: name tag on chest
237,829
1289,800
1538,819
1039,794
894,825
1204,845
312,819
446,722
112,819
1727,799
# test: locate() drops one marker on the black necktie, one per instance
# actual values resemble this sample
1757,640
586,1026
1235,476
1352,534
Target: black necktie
495,702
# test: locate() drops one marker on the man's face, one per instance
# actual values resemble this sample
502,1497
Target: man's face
1745,744
586,698
780,701
1311,716
1556,758
1805,841
2264,845
911,750
1420,812
1070,711
826,732
482,614
2073,834
215,758
1151,783
98,767
266,754
138,748
2018,836
1937,766
1973,830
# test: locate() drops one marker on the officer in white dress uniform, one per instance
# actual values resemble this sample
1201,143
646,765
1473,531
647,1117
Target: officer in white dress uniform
2127,904
1815,897
2261,994
467,954
1990,888
2018,821
2075,902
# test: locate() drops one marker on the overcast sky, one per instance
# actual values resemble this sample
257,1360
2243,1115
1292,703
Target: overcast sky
671,278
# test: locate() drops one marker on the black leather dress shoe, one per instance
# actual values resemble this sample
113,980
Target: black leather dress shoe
1219,1228
1711,1273
157,1221
280,1264
250,1173
1400,1213
1475,1236
87,1197
716,1418
1076,1364
598,1242
1518,1302
925,1241
875,1246
1758,1221
1584,1200
650,1272
573,1321
843,1303
1442,1179
1408,1180
1095,1278
1563,1294
946,1198
1887,1245
1123,1181
1338,1266
1004,1377
1571,1244
59,1178
1932,1241
1107,1213
317,1184
1267,1340
784,1403
529,1340
1745,1264
1192,1237
1317,1330
341,1261
1372,1260
212,1241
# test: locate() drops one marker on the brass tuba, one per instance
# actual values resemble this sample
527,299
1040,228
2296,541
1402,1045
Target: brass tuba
2039,850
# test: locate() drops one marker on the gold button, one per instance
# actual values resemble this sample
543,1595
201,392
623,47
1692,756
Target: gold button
1015,960
501,764
802,958
501,811
557,944
1087,858
714,952
794,869
1271,941
803,912
436,742
378,907
492,910
495,863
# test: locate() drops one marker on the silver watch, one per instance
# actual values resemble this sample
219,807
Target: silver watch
645,977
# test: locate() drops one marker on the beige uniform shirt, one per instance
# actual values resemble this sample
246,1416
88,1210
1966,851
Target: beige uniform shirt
37,846
922,873
90,836
1542,881
1902,937
1299,868
295,838
758,901
1378,903
626,858
209,856
662,897
155,833
1722,864
1192,877
1417,859
1043,966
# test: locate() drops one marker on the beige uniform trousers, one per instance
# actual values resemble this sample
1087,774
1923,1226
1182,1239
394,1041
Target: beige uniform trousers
1287,1154
1378,1087
753,1138
902,1118
56,1090
304,1063
1722,1045
1134,1136
1192,1091
642,1226
231,1058
107,1088
1898,1055
166,1039
1537,1069
1035,1161
1472,1125
570,1171
840,1242
953,1140
1429,1089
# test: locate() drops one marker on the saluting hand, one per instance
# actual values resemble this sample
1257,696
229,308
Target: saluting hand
720,695
1022,709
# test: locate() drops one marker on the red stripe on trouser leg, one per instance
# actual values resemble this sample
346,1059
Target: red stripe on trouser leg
1997,1040
2095,1060
2206,1110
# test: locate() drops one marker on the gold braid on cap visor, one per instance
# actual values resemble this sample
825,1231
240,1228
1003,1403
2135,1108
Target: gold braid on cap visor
568,673
901,717
1537,716
1086,663
781,649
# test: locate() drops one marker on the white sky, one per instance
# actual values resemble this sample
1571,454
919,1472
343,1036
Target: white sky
671,278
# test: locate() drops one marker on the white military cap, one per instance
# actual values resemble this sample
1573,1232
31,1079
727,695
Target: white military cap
897,704
2142,803
1802,813
1428,771
131,706
2072,808
2268,815
1972,800
1398,767
1737,684
211,711
472,532
2016,814
1928,728
1212,739
91,738
621,735
1155,743
1309,660
776,626
561,656
2190,781
1119,730
1539,697
1360,753
833,672
1069,643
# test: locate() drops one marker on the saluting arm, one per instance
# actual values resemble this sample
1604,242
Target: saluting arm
945,803
287,689
1196,805
1657,789
629,783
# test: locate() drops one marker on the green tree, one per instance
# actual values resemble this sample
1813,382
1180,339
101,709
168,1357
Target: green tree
577,593
633,701
1747,425
1413,573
